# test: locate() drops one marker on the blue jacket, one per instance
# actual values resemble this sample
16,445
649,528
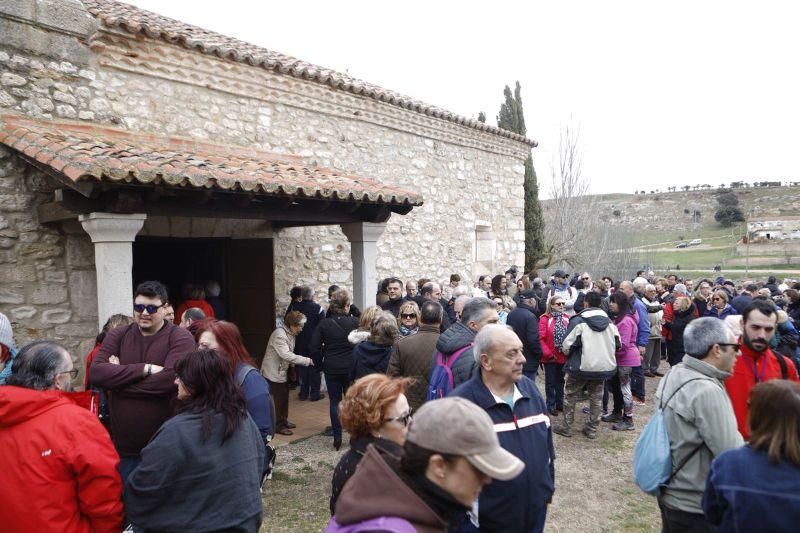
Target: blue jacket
514,505
643,334
745,492
712,311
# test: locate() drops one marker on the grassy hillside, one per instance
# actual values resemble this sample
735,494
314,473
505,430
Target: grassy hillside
653,224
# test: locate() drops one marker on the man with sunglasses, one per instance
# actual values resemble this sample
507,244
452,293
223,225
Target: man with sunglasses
699,419
137,363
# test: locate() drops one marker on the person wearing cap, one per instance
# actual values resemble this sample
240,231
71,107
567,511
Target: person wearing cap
520,419
560,287
525,324
451,452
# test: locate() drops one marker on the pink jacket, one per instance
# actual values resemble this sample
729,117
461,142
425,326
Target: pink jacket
547,328
628,354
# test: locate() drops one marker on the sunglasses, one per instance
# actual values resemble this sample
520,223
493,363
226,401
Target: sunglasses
72,373
716,299
585,279
405,315
403,419
151,309
559,304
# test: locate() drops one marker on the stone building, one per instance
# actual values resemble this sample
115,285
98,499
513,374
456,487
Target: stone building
134,146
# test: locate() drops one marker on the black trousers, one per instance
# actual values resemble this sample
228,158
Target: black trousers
280,396
675,521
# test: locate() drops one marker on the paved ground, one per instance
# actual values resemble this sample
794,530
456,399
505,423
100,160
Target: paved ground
594,489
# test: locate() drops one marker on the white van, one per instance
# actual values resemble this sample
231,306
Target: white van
695,242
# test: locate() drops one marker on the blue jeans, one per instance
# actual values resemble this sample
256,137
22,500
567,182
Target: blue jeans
337,386
554,385
127,464
310,380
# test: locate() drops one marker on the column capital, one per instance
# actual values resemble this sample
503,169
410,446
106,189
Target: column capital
112,227
363,231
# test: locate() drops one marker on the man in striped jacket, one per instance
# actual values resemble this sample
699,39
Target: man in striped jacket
520,419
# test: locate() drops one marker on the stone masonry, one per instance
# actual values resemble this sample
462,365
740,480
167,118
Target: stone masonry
468,178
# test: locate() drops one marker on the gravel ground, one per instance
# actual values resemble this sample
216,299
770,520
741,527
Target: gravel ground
594,488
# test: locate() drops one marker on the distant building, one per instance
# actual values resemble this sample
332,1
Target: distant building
770,229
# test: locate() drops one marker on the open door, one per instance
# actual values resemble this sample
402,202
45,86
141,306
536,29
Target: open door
251,292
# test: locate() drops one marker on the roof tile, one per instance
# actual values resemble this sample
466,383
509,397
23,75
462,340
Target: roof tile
108,154
134,20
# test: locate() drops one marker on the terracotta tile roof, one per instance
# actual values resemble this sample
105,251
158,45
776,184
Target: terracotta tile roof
86,152
135,20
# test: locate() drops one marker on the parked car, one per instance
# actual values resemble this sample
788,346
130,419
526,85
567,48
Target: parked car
682,245
695,242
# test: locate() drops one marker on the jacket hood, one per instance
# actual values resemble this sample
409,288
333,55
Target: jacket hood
596,319
357,336
454,338
370,353
19,405
704,368
376,490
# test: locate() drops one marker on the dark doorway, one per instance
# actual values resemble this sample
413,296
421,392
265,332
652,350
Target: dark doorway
243,268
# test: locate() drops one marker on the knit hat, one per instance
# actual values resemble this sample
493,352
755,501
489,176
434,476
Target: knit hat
6,333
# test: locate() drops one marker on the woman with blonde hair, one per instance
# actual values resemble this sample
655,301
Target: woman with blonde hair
755,487
409,318
362,332
374,411
373,354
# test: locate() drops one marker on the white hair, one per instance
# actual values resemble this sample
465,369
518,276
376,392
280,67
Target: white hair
486,338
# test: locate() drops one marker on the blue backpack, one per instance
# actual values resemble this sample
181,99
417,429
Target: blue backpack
652,458
387,524
441,383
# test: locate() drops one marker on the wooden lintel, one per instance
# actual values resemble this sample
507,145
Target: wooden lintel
54,212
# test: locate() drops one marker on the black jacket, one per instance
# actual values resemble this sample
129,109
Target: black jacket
329,346
525,324
393,306
314,315
369,358
186,483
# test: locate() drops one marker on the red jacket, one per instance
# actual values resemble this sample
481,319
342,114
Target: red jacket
188,304
739,385
547,338
59,468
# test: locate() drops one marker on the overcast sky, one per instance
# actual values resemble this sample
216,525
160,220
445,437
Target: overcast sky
664,93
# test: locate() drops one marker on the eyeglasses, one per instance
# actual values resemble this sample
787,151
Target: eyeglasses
729,345
403,419
585,279
559,304
72,373
151,309
716,299
408,315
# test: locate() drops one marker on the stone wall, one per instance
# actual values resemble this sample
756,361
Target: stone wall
47,278
467,177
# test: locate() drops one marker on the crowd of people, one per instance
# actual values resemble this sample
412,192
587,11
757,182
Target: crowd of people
435,386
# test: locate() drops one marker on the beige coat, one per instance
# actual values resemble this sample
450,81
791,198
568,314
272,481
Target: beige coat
279,355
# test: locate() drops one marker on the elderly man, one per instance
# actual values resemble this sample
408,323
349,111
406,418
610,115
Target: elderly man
523,427
191,319
411,356
59,466
432,292
457,339
699,419
411,291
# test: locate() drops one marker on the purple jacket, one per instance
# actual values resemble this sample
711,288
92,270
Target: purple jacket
628,353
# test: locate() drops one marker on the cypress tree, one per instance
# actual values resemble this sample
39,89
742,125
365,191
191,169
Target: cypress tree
512,118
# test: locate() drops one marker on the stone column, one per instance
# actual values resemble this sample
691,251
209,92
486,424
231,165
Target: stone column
363,237
113,235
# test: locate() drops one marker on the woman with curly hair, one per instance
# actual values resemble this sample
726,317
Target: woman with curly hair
374,411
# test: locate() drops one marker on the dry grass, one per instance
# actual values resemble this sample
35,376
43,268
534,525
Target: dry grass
594,489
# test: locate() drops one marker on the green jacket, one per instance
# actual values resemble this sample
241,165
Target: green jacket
700,412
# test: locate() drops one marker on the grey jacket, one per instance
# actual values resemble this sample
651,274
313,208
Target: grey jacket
453,339
700,412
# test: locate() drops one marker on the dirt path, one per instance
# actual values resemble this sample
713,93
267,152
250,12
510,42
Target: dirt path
594,489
